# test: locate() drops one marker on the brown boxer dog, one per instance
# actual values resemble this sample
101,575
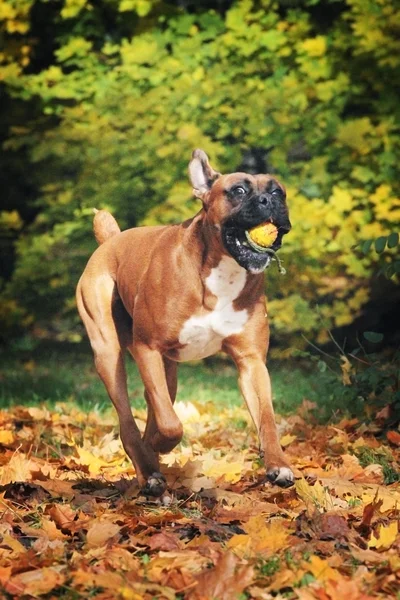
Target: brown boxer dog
184,292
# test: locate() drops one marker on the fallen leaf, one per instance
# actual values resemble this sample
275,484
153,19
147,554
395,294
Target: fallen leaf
6,437
393,437
324,526
386,536
175,559
199,483
225,581
287,439
100,532
63,515
320,569
50,529
5,575
39,414
350,467
366,556
19,468
95,464
58,487
12,543
259,536
368,513
37,582
222,467
348,589
312,494
367,492
163,541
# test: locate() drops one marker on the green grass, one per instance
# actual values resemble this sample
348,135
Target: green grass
55,375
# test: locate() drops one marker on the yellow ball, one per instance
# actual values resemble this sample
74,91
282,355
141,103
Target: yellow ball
264,235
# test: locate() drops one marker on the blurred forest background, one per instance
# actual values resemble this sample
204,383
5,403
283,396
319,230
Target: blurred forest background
103,101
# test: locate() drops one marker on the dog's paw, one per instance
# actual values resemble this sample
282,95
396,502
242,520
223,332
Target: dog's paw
155,485
281,476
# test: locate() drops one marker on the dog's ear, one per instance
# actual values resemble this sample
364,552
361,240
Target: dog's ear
202,175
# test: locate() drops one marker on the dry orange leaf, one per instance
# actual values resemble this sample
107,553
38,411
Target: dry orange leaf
37,582
12,543
63,515
100,532
164,541
225,581
18,469
51,531
393,437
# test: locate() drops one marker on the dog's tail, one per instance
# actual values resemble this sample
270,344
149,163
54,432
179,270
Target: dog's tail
104,226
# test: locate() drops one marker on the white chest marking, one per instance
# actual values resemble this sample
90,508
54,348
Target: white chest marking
203,333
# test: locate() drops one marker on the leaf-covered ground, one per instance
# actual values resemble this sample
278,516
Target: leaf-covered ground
74,525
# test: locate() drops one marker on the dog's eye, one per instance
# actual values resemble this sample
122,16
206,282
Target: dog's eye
240,191
277,192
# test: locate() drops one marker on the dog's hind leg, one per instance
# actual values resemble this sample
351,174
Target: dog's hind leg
110,332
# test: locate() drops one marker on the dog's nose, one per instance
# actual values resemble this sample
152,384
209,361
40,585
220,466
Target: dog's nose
265,199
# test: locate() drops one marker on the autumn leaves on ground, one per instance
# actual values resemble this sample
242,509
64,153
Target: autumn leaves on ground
74,526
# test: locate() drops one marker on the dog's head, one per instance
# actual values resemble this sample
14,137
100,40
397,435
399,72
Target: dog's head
236,203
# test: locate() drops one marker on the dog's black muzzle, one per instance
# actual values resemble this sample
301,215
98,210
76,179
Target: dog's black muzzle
253,212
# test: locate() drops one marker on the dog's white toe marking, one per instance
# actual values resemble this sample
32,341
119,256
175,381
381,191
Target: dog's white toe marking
281,476
285,474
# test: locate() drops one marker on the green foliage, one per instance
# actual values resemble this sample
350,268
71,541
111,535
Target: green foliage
379,456
390,263
134,85
270,566
359,381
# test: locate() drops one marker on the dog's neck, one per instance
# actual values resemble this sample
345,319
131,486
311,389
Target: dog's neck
204,241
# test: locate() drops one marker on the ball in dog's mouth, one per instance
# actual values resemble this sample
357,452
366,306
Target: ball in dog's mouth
262,236
254,248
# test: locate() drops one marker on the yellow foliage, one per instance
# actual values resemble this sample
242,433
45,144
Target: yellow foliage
354,134
315,46
72,8
139,51
10,220
129,110
341,200
6,11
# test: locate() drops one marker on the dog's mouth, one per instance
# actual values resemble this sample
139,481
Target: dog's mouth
249,255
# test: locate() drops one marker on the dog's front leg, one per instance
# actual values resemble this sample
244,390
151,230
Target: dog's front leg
164,430
151,430
255,385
